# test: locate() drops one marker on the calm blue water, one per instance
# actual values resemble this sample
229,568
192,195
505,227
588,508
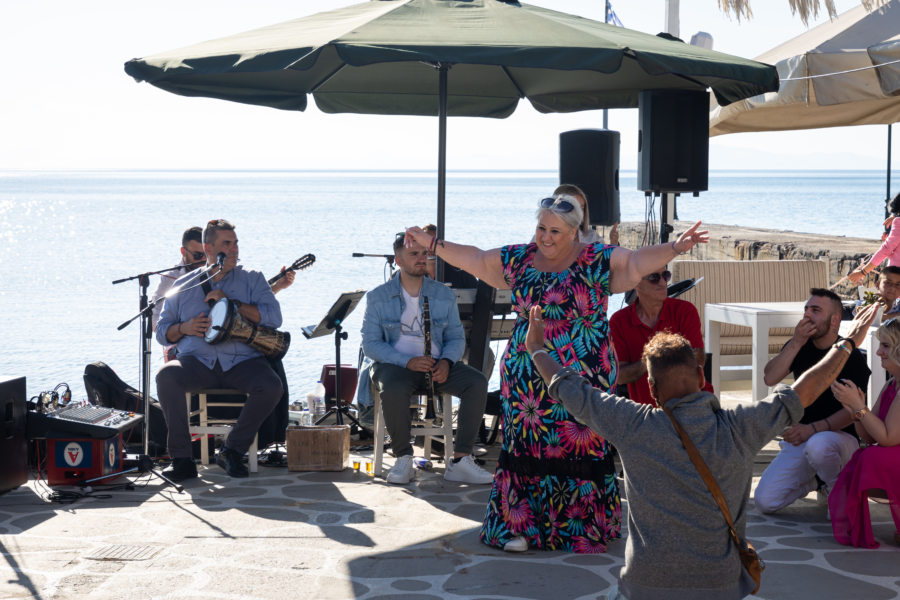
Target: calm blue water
65,236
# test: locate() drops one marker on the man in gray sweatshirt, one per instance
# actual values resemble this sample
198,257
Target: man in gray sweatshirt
678,544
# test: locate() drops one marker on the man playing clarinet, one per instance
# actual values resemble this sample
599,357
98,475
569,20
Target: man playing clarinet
393,340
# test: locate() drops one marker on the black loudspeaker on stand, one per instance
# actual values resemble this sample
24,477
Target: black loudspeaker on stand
673,141
589,158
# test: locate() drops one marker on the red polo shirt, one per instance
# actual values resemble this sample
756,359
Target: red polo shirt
629,336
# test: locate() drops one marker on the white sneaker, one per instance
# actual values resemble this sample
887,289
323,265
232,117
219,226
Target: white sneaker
517,544
402,471
466,471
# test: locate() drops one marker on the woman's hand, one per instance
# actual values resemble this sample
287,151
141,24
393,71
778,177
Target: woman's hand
534,339
691,238
848,394
419,236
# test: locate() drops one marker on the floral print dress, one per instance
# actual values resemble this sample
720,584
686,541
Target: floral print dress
555,482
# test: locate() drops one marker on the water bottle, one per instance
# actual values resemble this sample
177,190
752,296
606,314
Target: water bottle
319,401
423,463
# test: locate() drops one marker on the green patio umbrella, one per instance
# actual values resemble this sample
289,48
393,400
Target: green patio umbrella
472,58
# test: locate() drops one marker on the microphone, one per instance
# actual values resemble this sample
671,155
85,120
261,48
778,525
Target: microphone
388,257
220,259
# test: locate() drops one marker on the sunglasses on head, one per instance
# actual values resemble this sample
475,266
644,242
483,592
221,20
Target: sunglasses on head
196,255
557,203
655,277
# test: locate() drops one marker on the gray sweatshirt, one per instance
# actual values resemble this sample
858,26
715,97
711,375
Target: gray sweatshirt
678,544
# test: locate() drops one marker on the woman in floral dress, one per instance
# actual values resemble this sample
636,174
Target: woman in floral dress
555,486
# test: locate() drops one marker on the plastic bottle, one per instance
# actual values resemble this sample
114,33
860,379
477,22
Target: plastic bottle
423,463
319,401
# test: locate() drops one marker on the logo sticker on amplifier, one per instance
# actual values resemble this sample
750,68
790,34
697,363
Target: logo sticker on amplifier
112,455
73,454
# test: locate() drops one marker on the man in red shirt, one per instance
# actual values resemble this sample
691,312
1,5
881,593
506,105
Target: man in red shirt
632,327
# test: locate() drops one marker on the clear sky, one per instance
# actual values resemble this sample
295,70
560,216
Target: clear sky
67,103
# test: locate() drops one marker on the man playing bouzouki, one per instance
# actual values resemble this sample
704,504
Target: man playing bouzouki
230,364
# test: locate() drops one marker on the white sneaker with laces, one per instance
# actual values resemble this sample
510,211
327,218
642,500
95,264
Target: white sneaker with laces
466,471
402,471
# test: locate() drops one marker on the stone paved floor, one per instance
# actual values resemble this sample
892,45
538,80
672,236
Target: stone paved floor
281,534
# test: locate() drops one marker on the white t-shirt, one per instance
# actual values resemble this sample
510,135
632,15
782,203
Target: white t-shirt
412,335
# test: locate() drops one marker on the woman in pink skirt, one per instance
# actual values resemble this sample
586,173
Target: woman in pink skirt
873,470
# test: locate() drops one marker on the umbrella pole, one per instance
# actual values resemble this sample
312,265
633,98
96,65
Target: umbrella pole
442,159
887,195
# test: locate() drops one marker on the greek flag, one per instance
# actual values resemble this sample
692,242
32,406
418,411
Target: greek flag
612,16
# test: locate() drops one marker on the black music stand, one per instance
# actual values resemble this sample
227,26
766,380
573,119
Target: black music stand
333,321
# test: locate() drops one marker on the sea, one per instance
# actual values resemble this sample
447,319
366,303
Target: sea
66,236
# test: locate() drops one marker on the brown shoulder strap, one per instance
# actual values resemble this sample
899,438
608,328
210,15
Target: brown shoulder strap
705,473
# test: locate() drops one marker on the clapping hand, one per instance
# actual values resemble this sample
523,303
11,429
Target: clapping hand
848,394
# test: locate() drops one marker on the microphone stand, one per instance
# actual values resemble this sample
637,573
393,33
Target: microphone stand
144,462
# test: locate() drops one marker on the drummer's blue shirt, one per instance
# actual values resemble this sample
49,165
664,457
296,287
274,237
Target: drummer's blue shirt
250,287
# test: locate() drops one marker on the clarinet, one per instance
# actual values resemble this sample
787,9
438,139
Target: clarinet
429,380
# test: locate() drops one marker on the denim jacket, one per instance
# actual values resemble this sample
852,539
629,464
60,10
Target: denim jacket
381,328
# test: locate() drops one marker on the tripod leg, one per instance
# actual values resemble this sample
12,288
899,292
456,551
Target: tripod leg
178,487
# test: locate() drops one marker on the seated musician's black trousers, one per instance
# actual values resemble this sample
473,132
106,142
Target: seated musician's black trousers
187,374
397,384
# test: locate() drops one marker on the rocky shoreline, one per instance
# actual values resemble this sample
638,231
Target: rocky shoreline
729,242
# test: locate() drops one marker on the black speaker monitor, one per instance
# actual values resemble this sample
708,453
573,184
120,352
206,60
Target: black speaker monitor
13,443
673,141
589,158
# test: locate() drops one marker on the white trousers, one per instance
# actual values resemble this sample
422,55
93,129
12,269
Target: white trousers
792,474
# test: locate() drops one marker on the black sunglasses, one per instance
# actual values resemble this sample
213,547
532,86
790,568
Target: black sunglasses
554,203
196,255
655,277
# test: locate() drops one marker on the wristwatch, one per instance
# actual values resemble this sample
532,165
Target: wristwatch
861,413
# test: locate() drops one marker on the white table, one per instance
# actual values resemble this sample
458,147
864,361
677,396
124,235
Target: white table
760,317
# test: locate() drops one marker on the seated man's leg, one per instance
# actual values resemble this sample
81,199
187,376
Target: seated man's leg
176,378
395,386
827,453
786,479
256,377
470,386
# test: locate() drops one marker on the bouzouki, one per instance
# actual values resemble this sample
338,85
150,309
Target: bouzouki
301,263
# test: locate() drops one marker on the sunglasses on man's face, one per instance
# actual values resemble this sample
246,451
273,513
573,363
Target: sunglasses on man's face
195,255
655,277
557,203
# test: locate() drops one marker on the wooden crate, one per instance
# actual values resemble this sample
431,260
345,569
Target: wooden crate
318,448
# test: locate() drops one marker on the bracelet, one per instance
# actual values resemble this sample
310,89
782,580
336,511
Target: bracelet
840,346
675,250
536,352
846,339
827,422
815,429
433,244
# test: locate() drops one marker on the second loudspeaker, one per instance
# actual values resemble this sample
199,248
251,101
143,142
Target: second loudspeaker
589,158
